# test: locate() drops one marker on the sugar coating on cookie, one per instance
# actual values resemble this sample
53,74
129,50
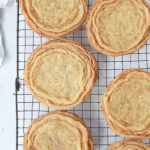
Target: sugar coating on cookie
126,104
118,27
54,18
61,73
58,131
128,145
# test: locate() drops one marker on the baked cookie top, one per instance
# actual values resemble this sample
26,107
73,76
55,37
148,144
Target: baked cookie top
126,104
61,73
128,145
54,18
58,131
118,27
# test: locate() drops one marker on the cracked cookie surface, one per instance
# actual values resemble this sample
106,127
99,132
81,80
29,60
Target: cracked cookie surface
118,27
54,18
61,73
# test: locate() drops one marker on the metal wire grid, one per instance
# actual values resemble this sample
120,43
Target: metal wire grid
29,109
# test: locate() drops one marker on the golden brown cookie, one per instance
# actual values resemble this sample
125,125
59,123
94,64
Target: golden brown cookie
58,131
118,27
128,145
126,104
54,18
61,73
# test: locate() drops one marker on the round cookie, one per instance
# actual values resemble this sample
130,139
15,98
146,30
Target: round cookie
61,73
128,144
126,104
58,130
118,27
54,18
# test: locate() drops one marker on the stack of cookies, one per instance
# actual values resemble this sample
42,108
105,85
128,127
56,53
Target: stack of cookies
61,73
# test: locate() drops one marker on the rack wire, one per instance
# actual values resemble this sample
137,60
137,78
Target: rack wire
28,109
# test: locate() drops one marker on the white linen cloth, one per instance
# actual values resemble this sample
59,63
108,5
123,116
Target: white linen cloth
4,3
1,51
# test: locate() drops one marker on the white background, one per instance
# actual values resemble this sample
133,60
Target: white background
7,78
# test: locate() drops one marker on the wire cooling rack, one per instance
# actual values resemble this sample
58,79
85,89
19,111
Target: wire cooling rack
28,109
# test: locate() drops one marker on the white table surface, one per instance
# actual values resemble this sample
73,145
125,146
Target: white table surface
7,79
